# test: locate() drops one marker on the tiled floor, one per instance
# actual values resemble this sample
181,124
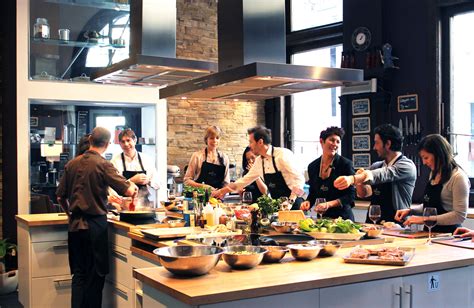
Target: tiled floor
10,301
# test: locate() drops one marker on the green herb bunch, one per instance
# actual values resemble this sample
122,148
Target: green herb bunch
267,205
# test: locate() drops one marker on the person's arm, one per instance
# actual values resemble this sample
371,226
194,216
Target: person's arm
348,196
118,183
151,172
61,192
226,180
294,178
262,187
458,189
64,205
194,170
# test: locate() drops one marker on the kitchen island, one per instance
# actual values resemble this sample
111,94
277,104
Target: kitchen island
438,276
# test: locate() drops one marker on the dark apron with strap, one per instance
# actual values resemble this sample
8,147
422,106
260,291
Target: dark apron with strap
129,174
432,198
275,182
324,188
382,195
212,174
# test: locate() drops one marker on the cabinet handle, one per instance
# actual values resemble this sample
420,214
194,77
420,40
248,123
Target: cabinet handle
121,293
120,254
411,295
63,246
400,293
58,282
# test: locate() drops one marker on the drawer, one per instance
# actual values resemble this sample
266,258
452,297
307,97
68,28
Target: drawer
49,259
119,237
51,291
138,261
48,233
120,267
117,296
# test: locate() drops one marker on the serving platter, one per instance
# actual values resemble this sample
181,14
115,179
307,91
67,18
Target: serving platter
409,253
336,236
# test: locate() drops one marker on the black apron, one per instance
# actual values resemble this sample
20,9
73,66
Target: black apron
324,188
129,174
212,174
275,182
382,195
432,198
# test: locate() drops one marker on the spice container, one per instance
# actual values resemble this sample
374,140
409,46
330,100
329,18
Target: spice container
41,28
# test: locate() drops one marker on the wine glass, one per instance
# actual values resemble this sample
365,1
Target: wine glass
427,213
247,197
321,206
374,213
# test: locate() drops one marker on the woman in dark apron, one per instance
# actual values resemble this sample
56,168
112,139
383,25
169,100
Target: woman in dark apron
258,187
208,167
323,171
447,190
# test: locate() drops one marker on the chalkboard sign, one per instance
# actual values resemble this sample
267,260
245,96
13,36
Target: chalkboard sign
361,160
361,125
361,143
407,103
361,106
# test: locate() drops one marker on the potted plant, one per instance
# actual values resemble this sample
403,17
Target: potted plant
8,280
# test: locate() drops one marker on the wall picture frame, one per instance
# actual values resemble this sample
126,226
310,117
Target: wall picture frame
360,107
34,121
361,160
407,103
361,143
361,125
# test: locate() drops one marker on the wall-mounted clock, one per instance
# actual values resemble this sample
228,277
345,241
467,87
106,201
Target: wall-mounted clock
361,38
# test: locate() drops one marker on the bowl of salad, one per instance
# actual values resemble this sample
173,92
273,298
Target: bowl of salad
331,229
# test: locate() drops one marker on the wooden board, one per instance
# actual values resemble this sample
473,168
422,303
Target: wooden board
405,234
456,243
409,253
291,216
336,236
160,233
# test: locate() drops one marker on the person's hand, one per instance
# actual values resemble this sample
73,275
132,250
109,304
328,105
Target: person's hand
114,200
140,178
418,220
464,232
360,170
249,165
401,214
208,187
342,182
305,206
220,193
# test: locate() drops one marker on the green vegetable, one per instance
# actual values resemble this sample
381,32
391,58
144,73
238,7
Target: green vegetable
338,225
267,205
307,225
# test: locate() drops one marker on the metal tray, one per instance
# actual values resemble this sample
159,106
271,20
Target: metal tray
409,253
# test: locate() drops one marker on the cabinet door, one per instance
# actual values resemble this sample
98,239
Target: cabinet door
117,296
120,268
449,288
49,259
376,293
51,291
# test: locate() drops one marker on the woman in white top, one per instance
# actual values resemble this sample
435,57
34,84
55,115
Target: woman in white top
447,190
208,168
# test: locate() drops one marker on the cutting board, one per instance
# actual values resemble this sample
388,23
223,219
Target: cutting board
161,233
465,244
291,216
401,233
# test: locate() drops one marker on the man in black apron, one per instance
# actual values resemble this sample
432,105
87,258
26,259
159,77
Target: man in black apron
82,193
276,167
389,183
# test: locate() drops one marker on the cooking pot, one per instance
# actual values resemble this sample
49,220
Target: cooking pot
138,217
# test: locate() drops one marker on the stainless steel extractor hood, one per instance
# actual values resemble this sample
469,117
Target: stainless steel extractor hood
152,60
252,57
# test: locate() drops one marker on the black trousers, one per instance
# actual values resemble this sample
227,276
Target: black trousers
87,279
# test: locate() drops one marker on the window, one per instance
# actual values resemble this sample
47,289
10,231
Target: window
315,110
111,123
314,13
119,28
461,124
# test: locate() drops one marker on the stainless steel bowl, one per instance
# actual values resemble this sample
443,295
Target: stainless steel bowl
283,227
304,252
174,223
243,257
328,248
274,253
189,260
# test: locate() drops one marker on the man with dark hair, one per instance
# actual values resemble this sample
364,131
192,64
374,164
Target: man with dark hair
82,193
275,165
390,182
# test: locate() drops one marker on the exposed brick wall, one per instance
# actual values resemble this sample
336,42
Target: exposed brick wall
196,38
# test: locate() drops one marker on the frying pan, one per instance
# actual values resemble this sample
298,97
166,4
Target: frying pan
285,239
137,217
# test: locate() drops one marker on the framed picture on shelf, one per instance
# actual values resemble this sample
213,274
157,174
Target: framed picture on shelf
361,125
361,143
361,106
34,121
407,103
361,160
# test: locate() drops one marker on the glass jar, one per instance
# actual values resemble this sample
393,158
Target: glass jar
41,28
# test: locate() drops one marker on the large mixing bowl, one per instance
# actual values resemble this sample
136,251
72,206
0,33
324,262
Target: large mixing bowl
304,252
274,254
243,257
189,260
328,248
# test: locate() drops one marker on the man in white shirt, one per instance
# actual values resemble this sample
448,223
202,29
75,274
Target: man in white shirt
136,167
277,166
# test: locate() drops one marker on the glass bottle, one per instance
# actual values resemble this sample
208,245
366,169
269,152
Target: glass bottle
41,28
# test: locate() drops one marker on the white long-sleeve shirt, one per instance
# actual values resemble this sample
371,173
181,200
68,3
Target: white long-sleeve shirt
285,163
134,165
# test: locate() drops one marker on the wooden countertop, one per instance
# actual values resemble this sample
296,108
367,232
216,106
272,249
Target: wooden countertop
37,220
225,284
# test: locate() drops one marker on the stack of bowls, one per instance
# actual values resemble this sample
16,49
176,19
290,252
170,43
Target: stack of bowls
328,248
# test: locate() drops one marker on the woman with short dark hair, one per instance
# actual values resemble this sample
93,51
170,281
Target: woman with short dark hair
323,171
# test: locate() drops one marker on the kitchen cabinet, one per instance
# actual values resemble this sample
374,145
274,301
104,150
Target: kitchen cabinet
72,38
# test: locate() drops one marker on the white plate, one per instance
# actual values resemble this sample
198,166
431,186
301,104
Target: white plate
336,236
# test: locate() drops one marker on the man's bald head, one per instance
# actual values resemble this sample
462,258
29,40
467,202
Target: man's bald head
100,137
